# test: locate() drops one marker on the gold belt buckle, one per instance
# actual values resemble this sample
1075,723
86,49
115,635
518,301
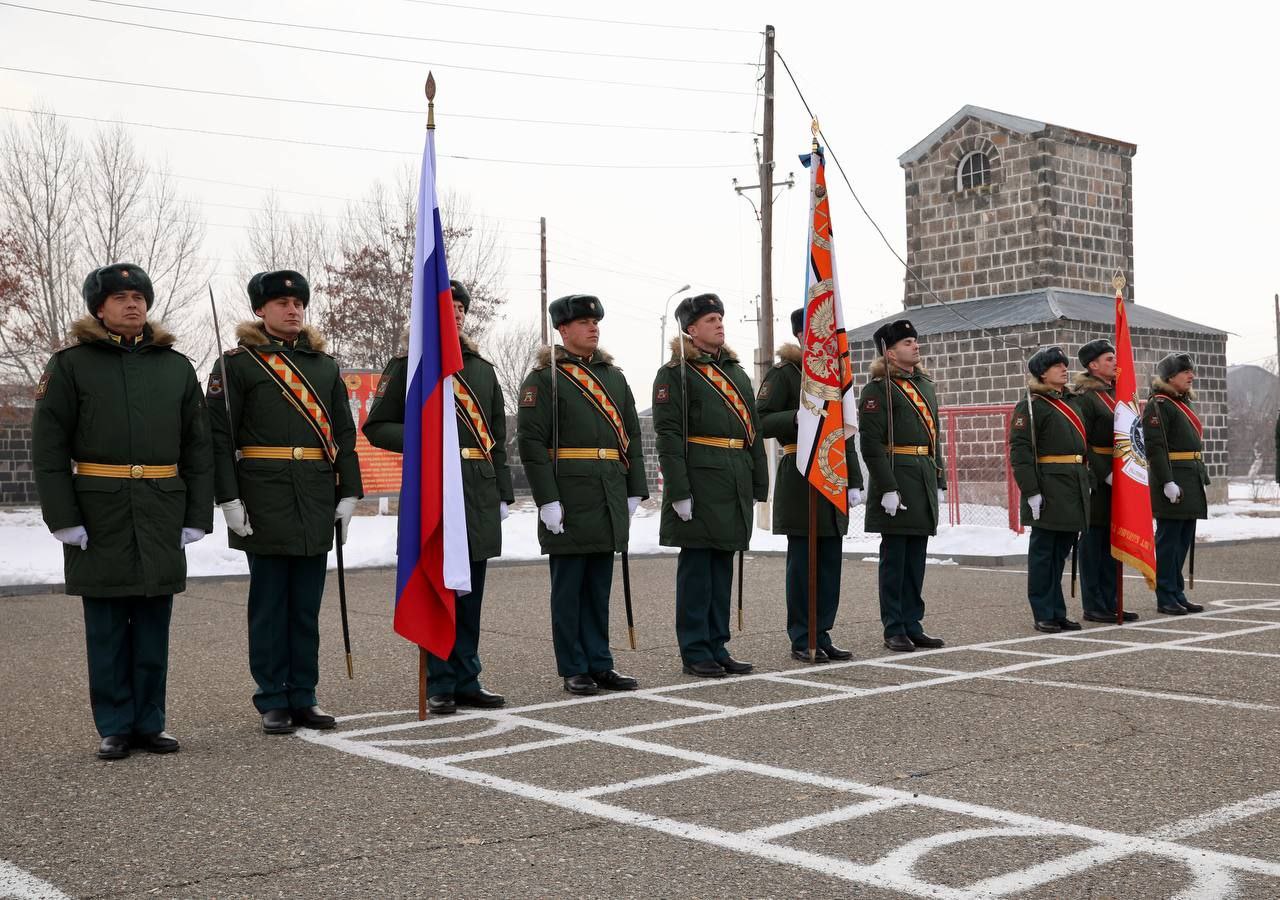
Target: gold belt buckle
602,454
297,453
135,471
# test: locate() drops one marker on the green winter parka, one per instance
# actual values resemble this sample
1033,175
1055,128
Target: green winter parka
592,492
778,402
916,478
289,503
99,401
1166,429
1064,486
1089,400
723,482
484,483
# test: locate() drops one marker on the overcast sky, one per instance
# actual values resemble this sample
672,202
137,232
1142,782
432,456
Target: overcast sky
634,213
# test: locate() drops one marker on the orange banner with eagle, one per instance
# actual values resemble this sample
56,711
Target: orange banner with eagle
1132,540
828,406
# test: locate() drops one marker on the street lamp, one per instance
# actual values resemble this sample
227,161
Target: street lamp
662,350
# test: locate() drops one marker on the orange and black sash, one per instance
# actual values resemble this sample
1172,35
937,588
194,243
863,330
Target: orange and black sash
1070,413
724,386
472,415
921,406
1186,411
599,398
301,396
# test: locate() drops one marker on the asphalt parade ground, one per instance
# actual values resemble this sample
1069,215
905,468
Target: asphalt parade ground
1134,761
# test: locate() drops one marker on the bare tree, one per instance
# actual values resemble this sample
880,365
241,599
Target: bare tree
476,258
511,349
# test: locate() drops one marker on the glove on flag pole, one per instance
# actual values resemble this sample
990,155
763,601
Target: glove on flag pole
828,412
1132,540
432,564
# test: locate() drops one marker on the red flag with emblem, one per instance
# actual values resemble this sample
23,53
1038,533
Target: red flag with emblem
1132,540
828,413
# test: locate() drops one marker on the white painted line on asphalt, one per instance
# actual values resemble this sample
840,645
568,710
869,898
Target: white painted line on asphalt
1020,652
1145,627
1218,818
1138,692
1224,650
818,820
846,690
497,729
651,781
22,885
693,704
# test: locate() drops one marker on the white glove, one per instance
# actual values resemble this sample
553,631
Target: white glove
1035,501
73,535
633,503
683,508
1173,492
190,536
346,506
503,512
236,516
1108,479
891,501
855,496
552,515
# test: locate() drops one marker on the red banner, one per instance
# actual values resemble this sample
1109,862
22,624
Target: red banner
379,469
1132,540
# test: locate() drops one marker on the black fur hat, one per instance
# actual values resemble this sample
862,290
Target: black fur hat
691,309
461,294
109,280
1092,350
889,334
1174,363
1045,359
285,283
575,306
797,322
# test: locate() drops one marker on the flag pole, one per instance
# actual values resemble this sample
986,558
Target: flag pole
430,90
813,573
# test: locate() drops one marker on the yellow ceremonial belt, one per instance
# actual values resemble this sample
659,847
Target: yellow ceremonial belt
587,453
473,453
1184,454
1103,451
788,449
721,442
912,450
298,453
1063,458
101,470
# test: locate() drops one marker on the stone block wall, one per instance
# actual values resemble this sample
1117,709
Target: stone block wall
17,486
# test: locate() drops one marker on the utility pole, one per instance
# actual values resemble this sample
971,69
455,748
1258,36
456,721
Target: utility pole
764,355
546,337
1278,335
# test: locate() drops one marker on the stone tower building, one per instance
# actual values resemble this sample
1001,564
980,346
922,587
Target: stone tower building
1016,227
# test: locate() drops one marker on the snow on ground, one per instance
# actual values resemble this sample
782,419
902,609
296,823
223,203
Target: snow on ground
30,555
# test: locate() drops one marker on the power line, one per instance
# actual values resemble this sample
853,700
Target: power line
412,153
356,55
519,12
429,40
355,106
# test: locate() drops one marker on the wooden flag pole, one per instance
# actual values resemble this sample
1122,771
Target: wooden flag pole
813,574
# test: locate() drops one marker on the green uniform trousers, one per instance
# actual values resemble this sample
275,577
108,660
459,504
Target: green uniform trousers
127,639
1097,572
1174,538
902,559
460,673
284,629
1047,554
798,589
704,581
580,585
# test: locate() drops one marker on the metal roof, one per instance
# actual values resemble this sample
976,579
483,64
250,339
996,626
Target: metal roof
1015,124
1029,308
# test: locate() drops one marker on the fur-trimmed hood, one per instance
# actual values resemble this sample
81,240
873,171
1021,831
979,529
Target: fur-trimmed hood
791,354
468,345
1083,381
543,360
1160,386
254,334
879,367
691,352
87,329
1036,386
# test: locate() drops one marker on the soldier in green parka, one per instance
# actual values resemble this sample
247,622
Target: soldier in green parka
486,491
905,474
123,467
714,471
579,439
778,404
285,471
1174,438
1047,449
1094,398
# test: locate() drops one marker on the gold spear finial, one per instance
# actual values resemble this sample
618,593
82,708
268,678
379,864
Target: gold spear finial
1118,281
815,130
431,101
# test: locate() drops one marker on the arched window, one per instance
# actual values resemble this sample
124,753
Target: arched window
974,171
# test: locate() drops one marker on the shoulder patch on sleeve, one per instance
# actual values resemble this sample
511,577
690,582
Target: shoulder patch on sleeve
42,385
1153,419
765,390
871,404
662,393
1019,421
215,385
383,382
529,396
233,351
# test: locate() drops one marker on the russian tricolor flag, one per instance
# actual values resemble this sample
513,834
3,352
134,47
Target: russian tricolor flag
432,560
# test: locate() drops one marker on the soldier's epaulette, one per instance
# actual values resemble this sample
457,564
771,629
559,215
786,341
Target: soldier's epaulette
233,351
878,378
